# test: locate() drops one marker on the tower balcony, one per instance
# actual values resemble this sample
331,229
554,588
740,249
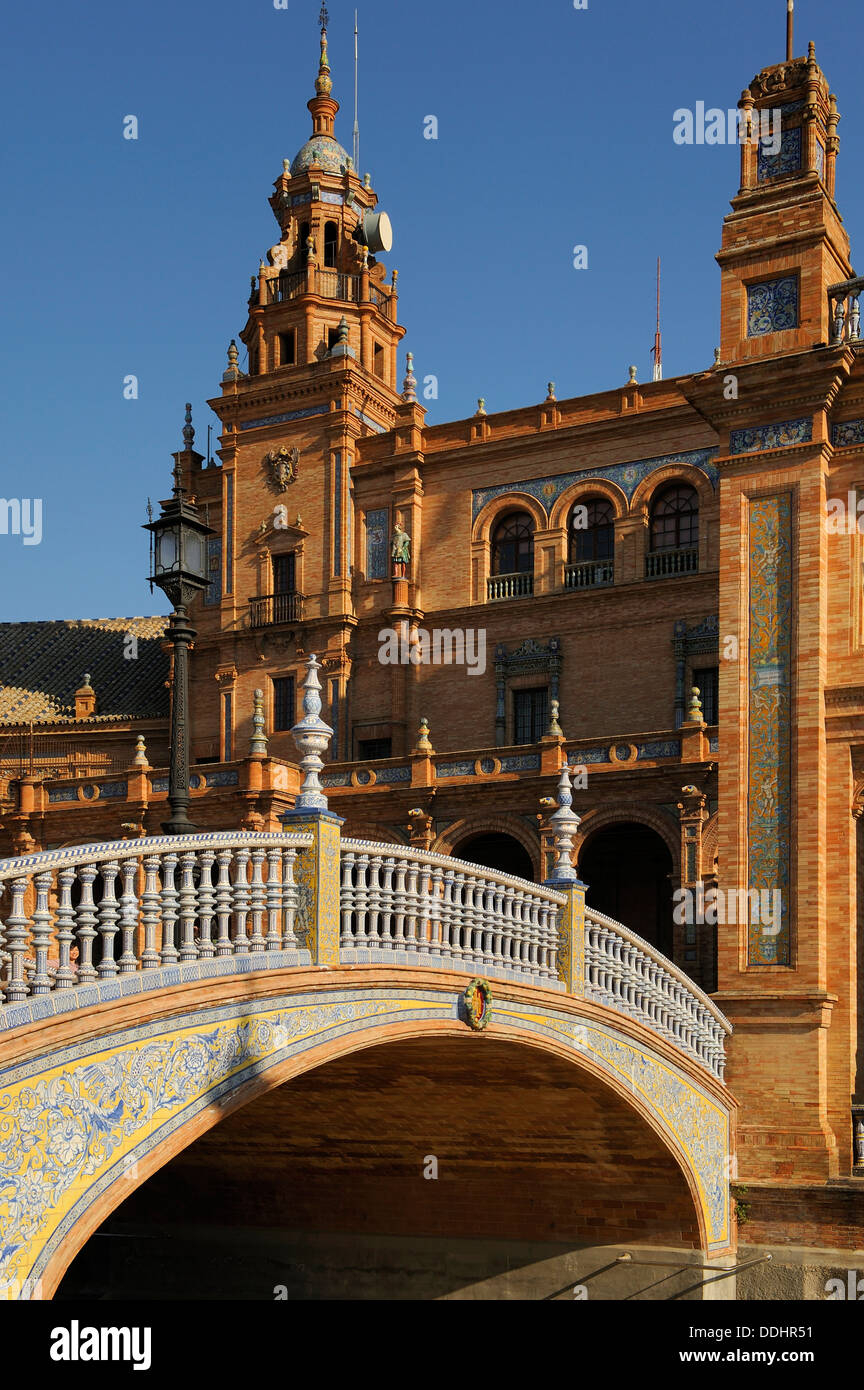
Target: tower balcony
270,610
327,284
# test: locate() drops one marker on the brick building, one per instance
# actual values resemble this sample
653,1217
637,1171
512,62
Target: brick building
649,585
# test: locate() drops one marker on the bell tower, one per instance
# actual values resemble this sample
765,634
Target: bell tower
784,242
322,335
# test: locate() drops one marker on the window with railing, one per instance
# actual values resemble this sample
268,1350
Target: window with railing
512,557
674,533
591,544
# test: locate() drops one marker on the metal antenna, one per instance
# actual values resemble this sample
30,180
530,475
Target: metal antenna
657,350
790,30
356,80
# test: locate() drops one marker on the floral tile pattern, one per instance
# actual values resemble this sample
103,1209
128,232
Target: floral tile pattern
847,432
769,772
772,306
776,436
787,160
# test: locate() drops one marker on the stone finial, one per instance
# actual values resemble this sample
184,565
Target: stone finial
367,180
550,391
424,743
481,405
341,347
409,385
631,380
310,250
395,278
188,431
232,371
140,759
695,714
554,730
85,699
716,356
286,168
258,742
312,737
565,823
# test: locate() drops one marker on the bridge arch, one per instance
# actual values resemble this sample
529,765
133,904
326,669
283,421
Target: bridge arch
132,1097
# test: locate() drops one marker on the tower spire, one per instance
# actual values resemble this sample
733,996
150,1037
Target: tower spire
790,30
657,350
323,84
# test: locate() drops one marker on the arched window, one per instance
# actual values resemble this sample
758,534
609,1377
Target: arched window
331,241
675,518
674,532
592,530
512,557
513,545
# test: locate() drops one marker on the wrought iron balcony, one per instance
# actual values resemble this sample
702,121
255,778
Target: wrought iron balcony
500,586
845,313
271,609
589,574
661,564
329,284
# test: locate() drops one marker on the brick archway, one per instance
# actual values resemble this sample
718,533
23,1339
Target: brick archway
467,829
162,1084
639,813
368,830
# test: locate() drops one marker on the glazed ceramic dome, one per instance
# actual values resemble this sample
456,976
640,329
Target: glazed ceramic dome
323,150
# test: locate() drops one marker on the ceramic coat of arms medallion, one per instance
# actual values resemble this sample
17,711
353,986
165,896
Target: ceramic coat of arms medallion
478,1005
282,467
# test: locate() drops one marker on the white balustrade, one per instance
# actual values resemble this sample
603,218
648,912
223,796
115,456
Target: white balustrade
623,972
66,926
445,911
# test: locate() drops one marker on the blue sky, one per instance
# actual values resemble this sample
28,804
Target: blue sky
133,257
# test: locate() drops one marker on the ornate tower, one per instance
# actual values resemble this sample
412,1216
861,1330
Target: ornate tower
321,336
790,615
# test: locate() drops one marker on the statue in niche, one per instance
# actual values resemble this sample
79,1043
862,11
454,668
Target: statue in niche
400,551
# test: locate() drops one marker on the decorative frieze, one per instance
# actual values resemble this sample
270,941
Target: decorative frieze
780,435
847,432
772,306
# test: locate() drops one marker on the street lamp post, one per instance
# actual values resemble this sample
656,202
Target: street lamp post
179,568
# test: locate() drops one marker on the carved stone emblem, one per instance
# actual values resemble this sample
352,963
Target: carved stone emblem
478,1005
282,466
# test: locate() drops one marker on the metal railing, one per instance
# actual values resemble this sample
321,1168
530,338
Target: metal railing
623,972
844,311
329,284
270,609
589,574
659,564
68,927
500,586
445,912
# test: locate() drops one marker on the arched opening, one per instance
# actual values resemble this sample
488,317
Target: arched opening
331,244
513,544
495,850
590,544
414,1169
627,868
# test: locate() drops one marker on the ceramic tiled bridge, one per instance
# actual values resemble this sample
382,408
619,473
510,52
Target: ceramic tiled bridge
151,986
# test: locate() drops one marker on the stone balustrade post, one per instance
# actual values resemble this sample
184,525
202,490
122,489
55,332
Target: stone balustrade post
564,879
318,876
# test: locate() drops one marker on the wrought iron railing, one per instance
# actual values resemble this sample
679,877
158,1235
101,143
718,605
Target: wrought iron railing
270,609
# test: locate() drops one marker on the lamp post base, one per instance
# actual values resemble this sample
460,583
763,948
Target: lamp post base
179,826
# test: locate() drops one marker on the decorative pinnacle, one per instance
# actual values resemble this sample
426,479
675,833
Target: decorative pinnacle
258,742
323,85
695,715
312,737
424,743
409,385
554,730
140,759
565,823
632,378
481,405
342,335
550,388
188,431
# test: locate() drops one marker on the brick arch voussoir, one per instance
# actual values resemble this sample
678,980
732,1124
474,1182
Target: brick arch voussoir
672,473
583,489
462,830
500,506
636,813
